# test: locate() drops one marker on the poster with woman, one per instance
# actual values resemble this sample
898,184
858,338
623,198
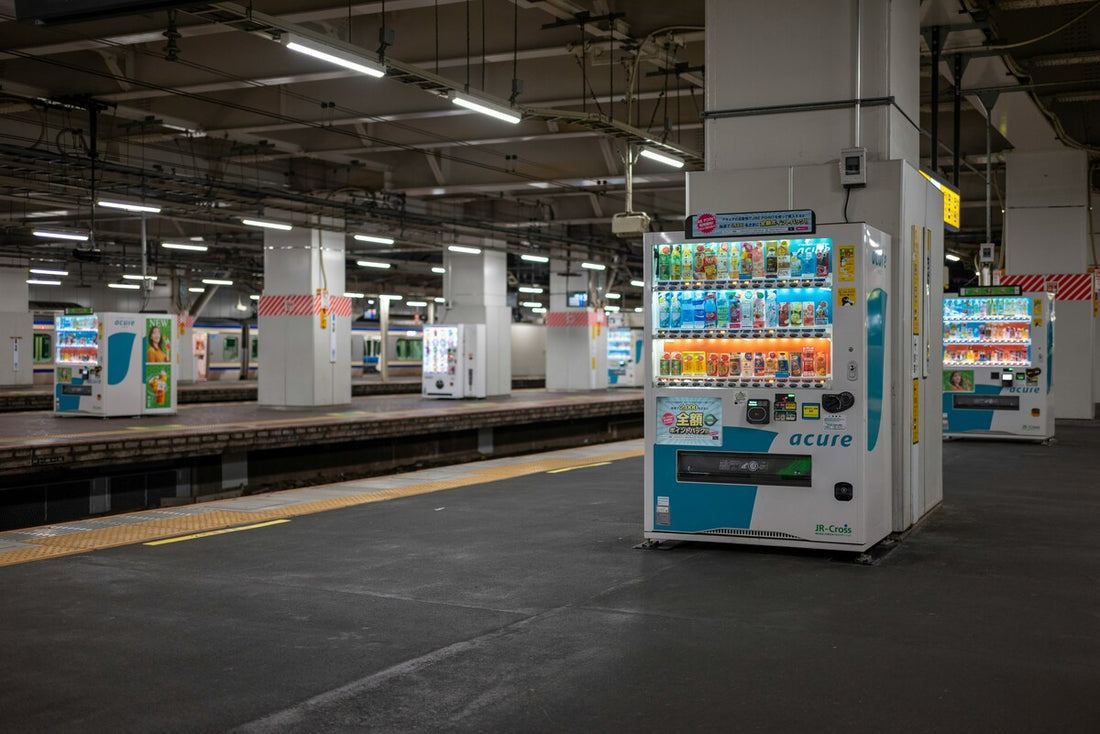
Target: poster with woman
158,363
958,381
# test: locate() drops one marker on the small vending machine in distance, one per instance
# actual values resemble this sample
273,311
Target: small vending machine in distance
998,364
454,361
624,357
768,400
113,364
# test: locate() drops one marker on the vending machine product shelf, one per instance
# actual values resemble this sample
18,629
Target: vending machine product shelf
768,407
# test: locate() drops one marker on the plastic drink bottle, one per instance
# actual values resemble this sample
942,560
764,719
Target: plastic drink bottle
746,309
662,311
758,264
771,261
784,314
662,262
745,272
723,271
710,310
687,262
808,313
783,259
759,318
796,364
674,263
735,309
771,310
796,313
674,312
723,319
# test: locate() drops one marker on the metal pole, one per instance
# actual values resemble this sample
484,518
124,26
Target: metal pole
629,178
934,42
859,71
956,112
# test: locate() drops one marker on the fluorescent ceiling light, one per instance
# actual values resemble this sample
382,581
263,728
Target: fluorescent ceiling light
37,281
325,52
439,270
124,286
540,184
593,266
267,225
125,206
194,289
614,296
534,258
353,294
538,310
48,213
416,304
531,304
439,299
486,108
137,276
60,235
195,239
373,264
386,297
183,246
638,309
464,250
668,160
530,289
253,297
374,239
44,271
638,283
611,308
952,258
216,281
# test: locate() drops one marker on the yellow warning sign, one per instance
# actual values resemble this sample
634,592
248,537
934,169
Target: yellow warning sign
845,297
846,264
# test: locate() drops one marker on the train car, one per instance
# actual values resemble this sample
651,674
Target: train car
42,351
221,351
404,347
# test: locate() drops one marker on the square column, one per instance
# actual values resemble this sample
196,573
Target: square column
576,336
476,289
304,321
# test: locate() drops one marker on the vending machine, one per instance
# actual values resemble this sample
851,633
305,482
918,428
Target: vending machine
624,357
454,361
998,364
768,402
113,364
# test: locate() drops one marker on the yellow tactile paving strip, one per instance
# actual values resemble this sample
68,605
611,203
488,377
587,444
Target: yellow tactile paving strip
156,528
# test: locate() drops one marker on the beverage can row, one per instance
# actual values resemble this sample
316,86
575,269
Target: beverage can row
777,259
743,309
807,362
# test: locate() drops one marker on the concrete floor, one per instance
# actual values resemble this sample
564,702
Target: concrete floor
521,606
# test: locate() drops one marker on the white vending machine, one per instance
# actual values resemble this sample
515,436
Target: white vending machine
113,364
998,364
768,399
454,361
625,367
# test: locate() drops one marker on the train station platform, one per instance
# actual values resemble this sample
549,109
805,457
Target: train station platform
40,397
62,468
507,595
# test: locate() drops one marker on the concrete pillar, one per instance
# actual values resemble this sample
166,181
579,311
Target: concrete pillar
476,289
1047,232
306,356
789,77
801,81
576,335
16,329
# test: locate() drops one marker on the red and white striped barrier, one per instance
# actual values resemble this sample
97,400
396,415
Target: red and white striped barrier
1064,286
302,305
574,318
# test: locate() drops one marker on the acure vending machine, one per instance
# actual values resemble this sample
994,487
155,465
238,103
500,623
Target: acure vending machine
624,357
768,403
113,364
998,364
454,361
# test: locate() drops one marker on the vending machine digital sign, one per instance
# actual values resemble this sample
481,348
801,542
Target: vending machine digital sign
998,364
454,361
114,364
768,404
